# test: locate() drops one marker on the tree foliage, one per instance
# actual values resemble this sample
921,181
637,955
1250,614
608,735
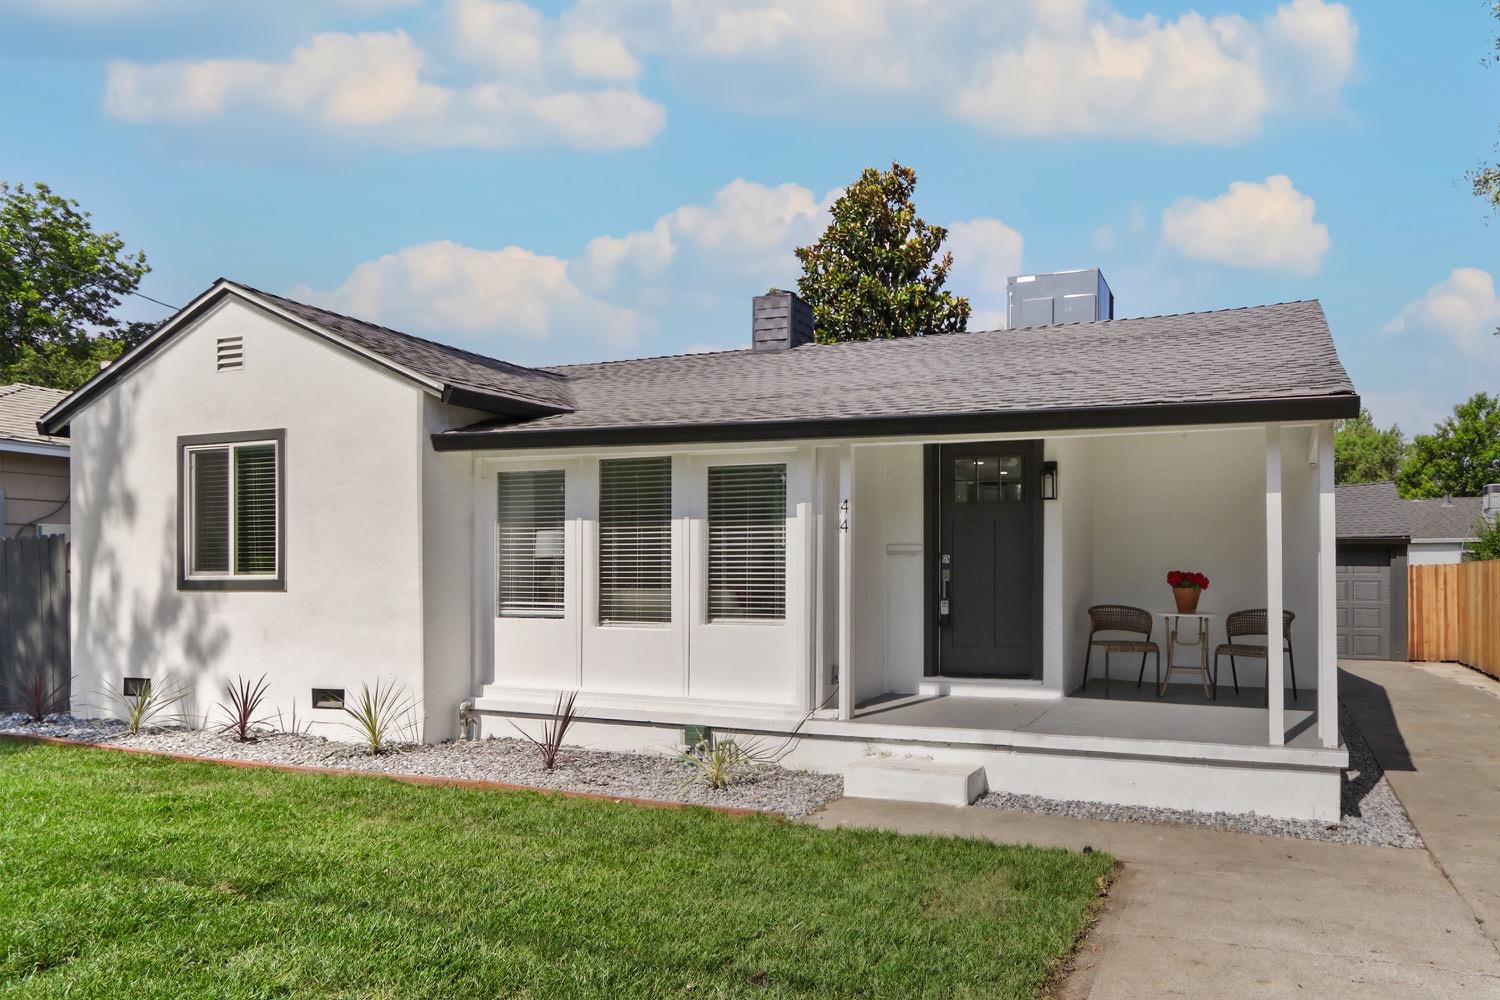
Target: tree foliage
1486,177
878,270
1363,453
1486,545
1460,456
60,284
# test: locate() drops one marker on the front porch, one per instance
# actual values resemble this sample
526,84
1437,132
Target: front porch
1181,716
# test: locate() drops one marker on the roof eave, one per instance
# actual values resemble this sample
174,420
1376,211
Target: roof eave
55,421
1278,410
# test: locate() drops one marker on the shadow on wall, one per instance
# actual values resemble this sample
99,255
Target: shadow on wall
131,620
1371,708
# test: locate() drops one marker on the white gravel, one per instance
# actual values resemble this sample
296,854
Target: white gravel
514,761
1372,815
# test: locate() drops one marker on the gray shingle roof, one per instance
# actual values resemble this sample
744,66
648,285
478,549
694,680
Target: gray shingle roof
1376,510
449,365
1277,352
21,406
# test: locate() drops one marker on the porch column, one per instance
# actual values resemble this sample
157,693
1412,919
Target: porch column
845,527
1328,640
1275,665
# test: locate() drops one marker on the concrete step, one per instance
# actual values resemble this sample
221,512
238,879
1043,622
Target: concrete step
914,779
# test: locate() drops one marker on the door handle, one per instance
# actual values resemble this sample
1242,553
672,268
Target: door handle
945,583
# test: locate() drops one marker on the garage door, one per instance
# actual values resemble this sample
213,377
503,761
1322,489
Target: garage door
1364,595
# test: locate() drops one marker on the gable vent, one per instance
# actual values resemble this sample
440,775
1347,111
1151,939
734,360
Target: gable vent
231,353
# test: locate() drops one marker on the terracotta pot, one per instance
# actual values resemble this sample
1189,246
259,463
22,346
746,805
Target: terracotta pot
1187,599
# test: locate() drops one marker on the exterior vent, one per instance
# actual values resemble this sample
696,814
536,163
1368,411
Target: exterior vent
780,321
231,353
1061,297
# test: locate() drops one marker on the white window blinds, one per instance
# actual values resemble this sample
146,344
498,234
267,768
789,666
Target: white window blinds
255,509
747,541
233,527
530,543
635,540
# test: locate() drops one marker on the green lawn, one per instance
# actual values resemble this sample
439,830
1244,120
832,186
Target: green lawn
128,876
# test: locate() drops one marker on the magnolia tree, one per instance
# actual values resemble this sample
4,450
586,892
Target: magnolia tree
878,270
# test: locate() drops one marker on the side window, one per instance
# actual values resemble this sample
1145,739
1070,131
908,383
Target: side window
529,537
231,511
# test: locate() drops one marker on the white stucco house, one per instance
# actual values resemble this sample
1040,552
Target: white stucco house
887,547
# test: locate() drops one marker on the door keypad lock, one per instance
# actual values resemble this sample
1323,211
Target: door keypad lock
945,580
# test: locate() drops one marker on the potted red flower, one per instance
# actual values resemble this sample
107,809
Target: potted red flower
1186,587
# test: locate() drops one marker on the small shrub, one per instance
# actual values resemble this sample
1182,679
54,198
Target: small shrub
292,725
381,714
243,708
144,709
555,729
38,695
720,763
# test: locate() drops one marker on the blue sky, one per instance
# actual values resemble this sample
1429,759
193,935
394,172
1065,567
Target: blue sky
563,182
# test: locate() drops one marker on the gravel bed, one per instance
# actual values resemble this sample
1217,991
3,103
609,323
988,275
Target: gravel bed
515,761
1372,815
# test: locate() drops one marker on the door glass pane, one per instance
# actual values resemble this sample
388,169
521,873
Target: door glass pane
988,479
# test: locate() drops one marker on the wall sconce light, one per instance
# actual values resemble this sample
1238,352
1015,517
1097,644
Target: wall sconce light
1049,480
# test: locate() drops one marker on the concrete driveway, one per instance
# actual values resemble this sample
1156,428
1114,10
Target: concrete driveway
1205,914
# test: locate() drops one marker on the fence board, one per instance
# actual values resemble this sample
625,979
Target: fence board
33,618
1455,614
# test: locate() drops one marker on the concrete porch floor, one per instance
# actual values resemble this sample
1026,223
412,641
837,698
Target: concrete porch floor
1182,715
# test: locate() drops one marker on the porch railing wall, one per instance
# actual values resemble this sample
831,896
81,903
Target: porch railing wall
1455,614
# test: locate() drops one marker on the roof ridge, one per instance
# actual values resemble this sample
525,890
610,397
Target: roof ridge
555,369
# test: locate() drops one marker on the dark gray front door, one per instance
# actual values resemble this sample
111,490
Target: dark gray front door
1364,603
989,532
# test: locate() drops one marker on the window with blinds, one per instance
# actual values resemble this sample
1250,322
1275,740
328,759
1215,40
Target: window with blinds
747,542
635,540
529,540
233,510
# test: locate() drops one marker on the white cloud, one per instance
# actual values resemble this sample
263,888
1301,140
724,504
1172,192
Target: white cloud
986,253
1038,67
384,87
466,292
1463,308
1262,226
693,261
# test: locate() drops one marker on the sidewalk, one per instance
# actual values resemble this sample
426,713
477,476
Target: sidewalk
1200,913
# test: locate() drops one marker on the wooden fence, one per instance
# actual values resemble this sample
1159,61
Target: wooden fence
1455,614
34,621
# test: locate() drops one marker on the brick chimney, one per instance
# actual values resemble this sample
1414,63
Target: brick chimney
780,321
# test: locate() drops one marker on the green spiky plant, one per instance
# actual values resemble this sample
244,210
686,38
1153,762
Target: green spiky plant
147,707
380,715
719,763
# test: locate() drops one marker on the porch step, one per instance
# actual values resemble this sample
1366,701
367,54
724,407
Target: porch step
911,779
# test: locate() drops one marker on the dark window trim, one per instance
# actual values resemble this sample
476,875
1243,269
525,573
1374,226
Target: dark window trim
242,583
1248,411
328,692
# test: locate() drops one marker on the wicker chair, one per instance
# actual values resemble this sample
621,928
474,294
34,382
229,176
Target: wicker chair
1253,623
1120,618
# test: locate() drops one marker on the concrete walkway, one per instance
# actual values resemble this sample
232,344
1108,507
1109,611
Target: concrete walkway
1199,913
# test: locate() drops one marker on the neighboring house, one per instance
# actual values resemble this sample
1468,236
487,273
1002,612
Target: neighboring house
1379,536
33,465
755,541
